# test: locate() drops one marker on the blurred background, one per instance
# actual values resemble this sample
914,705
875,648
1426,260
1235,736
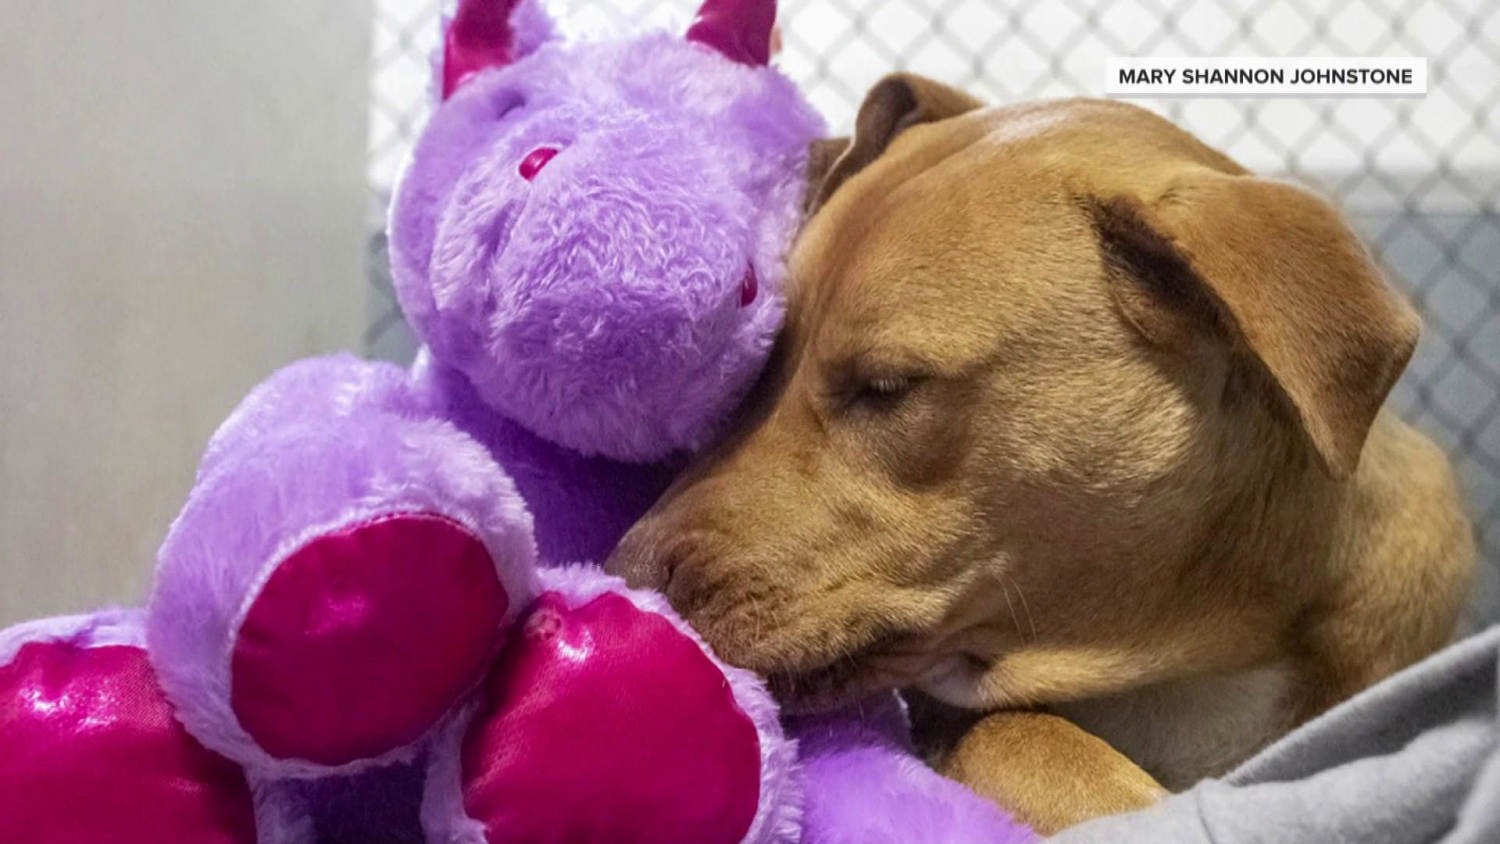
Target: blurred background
193,195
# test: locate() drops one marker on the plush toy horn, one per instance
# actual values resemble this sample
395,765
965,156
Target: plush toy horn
740,29
479,37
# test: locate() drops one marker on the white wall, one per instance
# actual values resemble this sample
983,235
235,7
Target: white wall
181,210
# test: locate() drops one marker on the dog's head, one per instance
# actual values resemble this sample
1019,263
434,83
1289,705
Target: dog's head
1036,356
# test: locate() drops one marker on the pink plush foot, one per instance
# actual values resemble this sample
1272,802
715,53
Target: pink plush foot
330,593
92,752
605,719
362,638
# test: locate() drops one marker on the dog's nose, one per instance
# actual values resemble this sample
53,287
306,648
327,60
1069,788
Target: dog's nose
640,559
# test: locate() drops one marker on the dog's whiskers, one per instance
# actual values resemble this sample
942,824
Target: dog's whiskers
1025,606
1005,590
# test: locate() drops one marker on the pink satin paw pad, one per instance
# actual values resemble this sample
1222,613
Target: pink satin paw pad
604,722
364,637
89,751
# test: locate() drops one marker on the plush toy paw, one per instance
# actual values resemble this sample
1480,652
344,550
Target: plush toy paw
605,718
363,636
91,750
330,592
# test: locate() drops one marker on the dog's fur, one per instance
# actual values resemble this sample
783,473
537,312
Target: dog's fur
1072,412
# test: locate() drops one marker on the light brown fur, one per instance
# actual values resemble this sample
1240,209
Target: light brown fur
1070,412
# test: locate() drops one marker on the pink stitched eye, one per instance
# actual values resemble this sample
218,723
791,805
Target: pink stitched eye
749,286
535,160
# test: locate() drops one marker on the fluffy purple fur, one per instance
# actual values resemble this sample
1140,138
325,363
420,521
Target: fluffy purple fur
599,305
334,387
580,505
864,786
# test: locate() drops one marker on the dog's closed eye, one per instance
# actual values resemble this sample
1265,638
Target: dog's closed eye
880,392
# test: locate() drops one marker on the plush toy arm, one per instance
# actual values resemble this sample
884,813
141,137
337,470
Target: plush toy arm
864,786
339,577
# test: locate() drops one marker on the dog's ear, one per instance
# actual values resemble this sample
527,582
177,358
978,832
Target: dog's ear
896,103
821,155
1273,270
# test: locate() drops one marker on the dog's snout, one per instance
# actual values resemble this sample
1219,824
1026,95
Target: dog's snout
689,566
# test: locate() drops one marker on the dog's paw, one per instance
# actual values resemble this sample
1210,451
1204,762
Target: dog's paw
1048,772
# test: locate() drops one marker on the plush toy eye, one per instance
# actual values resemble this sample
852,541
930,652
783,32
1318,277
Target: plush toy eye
535,160
749,286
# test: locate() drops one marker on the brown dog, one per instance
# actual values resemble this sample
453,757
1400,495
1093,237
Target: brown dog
1072,412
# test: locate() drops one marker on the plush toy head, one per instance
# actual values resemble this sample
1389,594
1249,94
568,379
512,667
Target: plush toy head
593,233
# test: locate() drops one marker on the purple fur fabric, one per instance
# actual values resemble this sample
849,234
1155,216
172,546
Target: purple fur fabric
599,305
864,786
327,388
580,505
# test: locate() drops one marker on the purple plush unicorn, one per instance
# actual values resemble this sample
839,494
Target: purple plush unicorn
378,600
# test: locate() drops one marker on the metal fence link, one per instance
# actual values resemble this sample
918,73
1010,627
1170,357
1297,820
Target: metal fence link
1420,177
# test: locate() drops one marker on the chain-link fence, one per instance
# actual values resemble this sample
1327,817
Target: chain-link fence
1420,178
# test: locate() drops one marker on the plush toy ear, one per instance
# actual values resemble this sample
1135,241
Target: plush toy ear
738,29
896,103
1273,270
491,33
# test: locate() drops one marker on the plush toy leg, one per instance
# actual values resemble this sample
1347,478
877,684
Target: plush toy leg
864,786
334,587
91,751
607,719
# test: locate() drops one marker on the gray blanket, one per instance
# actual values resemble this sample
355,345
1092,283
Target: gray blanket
1413,759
